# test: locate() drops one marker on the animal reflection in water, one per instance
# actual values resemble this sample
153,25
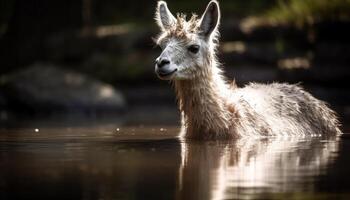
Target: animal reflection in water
226,170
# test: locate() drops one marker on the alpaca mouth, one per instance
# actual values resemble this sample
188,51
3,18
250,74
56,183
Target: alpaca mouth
166,74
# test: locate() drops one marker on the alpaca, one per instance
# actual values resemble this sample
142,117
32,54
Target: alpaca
213,109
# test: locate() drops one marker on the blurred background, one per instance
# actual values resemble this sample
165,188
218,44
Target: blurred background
89,59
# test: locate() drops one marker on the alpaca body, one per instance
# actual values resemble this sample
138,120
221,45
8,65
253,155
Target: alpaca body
213,109
256,110
283,109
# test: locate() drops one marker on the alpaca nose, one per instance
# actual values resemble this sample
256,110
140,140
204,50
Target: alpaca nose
161,62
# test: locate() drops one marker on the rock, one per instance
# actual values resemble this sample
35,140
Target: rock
48,88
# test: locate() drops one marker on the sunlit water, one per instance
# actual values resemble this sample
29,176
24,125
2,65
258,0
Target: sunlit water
110,162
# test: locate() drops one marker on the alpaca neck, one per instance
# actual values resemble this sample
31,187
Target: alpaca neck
203,102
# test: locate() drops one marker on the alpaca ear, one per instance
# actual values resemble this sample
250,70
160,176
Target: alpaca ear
210,19
164,18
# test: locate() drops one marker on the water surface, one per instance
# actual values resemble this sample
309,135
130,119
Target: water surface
111,162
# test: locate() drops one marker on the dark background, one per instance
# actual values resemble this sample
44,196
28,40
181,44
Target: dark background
95,57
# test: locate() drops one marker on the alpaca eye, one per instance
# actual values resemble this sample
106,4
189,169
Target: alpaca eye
193,48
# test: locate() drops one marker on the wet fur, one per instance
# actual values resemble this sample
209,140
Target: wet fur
213,109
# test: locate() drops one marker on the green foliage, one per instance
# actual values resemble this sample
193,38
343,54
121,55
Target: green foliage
280,45
309,11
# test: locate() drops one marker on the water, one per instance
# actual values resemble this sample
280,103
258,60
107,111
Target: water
111,162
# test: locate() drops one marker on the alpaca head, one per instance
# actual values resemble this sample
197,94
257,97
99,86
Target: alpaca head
187,46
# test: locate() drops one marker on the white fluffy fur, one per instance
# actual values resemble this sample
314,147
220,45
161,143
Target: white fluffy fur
212,108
